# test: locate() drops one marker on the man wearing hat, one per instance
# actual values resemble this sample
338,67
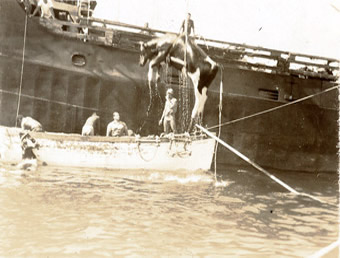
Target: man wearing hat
169,112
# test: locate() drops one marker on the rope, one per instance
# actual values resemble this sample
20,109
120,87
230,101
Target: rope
185,100
52,101
22,71
205,41
154,154
88,12
182,154
275,108
338,81
245,158
325,250
219,120
185,73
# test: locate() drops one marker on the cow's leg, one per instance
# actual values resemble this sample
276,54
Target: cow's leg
195,109
157,79
150,75
195,80
154,66
194,112
150,79
201,103
155,63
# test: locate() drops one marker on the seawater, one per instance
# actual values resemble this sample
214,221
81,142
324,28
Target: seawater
68,212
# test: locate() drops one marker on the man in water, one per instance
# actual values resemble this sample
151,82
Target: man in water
29,160
46,8
191,26
116,128
28,143
28,123
169,112
90,125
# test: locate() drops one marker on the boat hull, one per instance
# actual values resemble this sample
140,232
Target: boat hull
72,150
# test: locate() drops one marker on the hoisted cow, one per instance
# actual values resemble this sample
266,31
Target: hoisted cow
200,67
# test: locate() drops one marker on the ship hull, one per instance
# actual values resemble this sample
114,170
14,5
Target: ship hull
61,92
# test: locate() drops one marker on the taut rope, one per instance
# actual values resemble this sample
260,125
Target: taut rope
246,159
275,108
219,120
22,71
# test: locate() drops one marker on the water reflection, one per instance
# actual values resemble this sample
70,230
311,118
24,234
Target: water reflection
67,212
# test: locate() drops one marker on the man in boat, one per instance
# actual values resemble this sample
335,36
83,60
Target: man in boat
117,128
90,125
190,27
28,123
46,8
169,112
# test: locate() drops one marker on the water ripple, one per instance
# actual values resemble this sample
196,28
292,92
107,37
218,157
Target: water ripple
61,212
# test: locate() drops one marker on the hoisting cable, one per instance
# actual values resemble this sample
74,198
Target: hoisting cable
275,108
219,120
184,89
22,70
245,158
88,12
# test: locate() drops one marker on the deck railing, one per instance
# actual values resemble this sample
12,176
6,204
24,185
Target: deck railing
127,36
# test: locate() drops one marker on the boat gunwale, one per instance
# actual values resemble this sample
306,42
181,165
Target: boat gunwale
60,136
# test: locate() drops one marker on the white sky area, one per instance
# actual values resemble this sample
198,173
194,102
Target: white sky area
301,26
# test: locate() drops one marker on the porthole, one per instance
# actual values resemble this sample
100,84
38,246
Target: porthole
78,60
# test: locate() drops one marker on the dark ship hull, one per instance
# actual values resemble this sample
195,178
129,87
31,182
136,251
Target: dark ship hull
64,77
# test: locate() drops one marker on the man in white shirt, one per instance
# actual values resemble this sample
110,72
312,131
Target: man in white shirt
90,125
28,123
46,8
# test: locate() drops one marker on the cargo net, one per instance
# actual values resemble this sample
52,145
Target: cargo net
184,102
178,80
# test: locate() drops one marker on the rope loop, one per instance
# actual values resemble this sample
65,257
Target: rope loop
140,152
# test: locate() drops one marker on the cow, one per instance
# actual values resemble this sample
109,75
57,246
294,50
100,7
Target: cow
200,68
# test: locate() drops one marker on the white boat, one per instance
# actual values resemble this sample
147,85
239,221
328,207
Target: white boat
175,152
